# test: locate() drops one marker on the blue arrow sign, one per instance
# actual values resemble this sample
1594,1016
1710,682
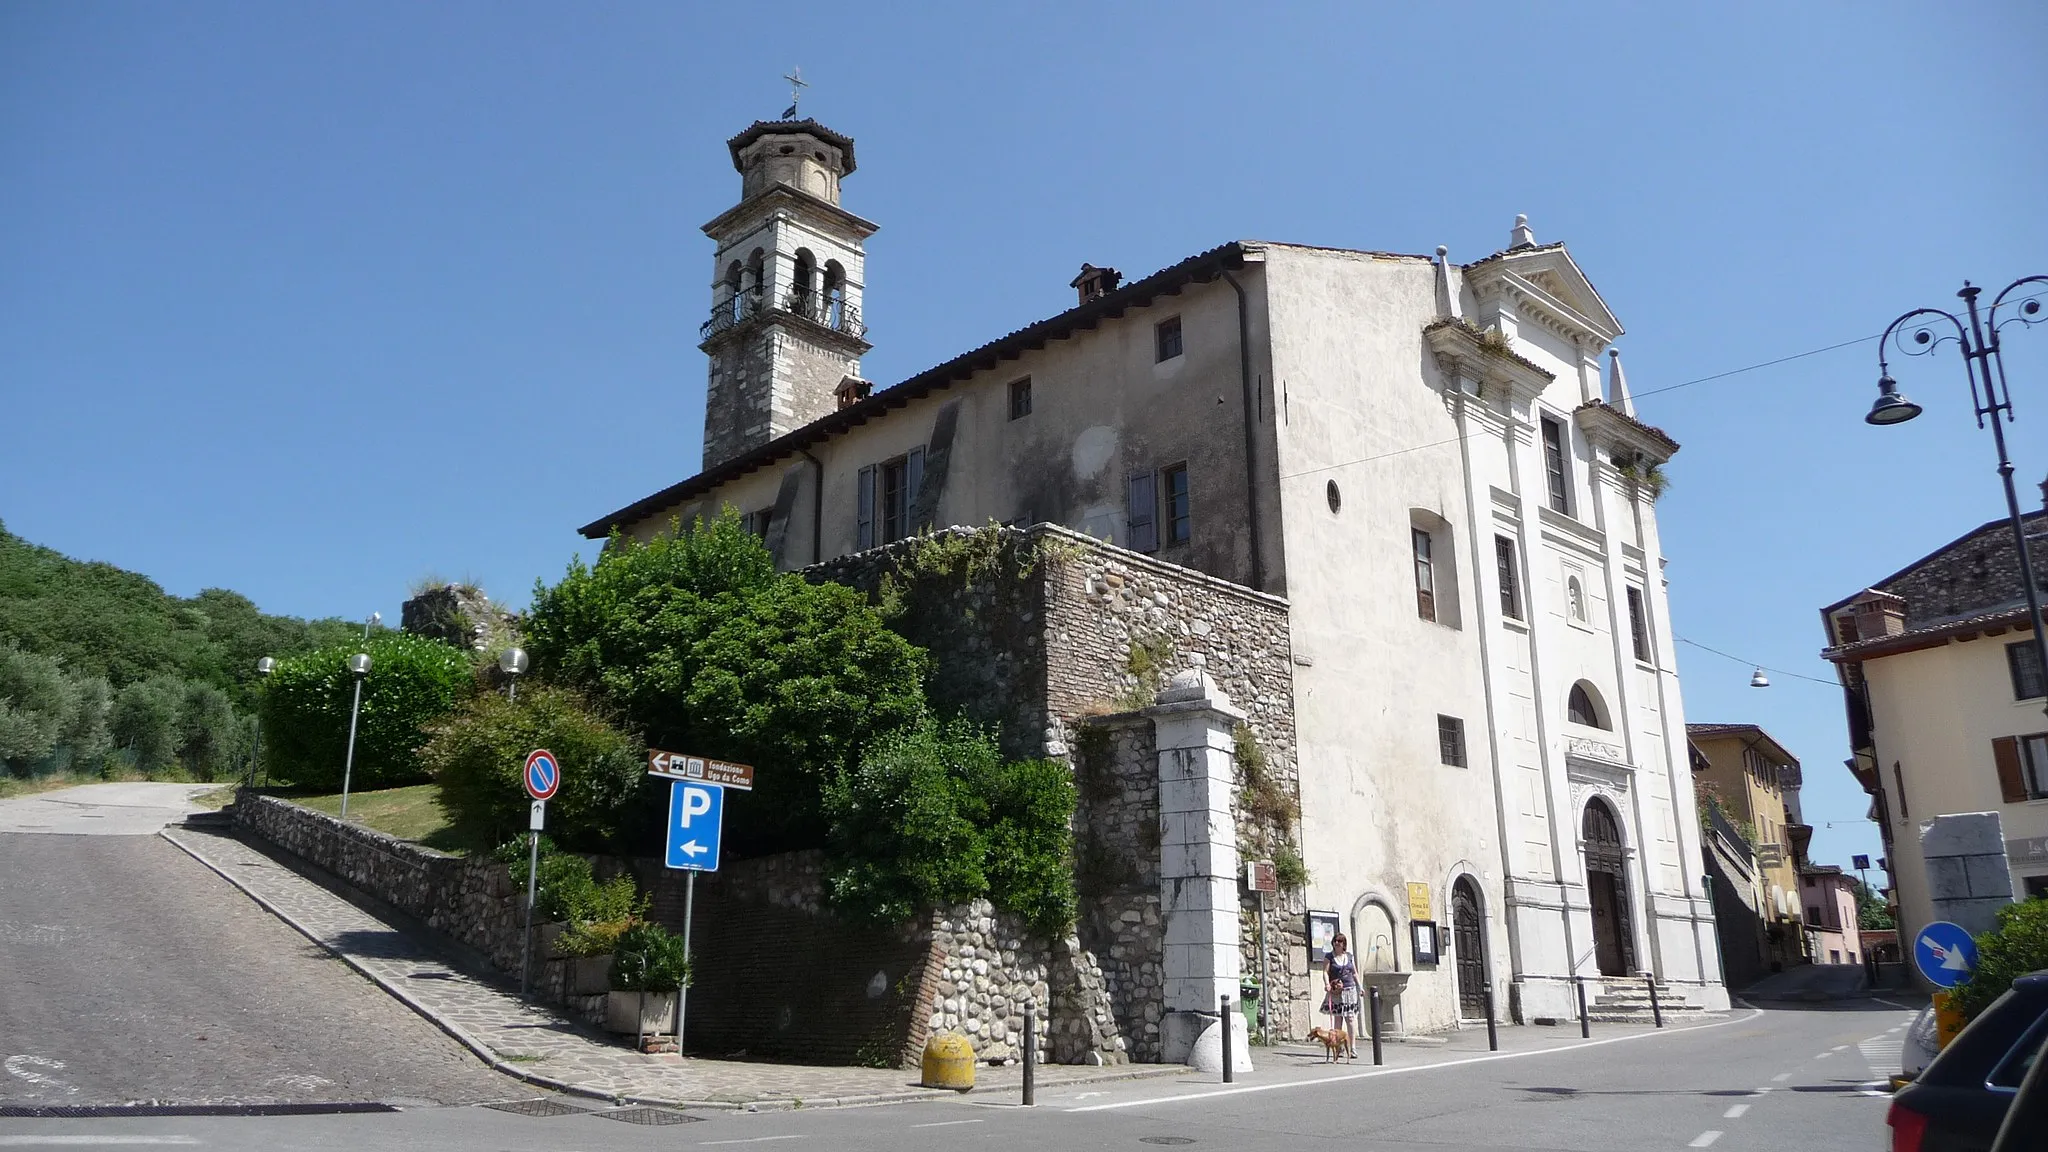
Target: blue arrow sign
1945,953
696,817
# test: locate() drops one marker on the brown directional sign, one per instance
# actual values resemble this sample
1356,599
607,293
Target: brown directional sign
699,770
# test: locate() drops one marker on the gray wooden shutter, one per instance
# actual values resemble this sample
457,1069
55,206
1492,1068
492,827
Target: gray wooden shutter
2012,784
913,479
1144,515
866,510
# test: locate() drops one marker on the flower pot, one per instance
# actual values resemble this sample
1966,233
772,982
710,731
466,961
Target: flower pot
590,975
639,1012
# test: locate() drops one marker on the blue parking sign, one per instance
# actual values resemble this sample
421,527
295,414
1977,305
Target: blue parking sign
696,816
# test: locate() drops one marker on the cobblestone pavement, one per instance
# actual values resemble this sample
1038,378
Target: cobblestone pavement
130,974
544,1047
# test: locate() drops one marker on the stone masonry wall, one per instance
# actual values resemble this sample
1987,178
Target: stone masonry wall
1040,631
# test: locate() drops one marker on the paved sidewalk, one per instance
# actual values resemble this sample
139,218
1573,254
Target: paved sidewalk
543,1047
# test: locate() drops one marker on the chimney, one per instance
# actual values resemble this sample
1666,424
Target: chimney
852,390
1879,614
1093,282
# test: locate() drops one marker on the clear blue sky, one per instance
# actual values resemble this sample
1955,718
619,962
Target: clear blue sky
312,300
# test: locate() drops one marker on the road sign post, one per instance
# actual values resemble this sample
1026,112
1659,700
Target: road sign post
696,825
542,776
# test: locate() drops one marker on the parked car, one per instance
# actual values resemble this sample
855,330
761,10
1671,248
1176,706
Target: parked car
1958,1102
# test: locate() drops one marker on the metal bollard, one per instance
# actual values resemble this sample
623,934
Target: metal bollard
1030,1055
1656,1009
1223,1018
1585,1024
1378,1057
1492,1036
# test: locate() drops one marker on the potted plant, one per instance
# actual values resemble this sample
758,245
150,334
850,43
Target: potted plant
589,944
648,968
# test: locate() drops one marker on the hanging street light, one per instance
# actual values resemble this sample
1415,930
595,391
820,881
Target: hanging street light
512,662
359,666
1757,679
1985,366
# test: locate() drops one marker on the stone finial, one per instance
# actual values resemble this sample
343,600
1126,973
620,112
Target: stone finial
1446,292
1522,237
1618,397
2044,495
1193,684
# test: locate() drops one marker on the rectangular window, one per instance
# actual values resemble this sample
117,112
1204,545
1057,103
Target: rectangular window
2022,763
1450,740
2036,886
1166,339
1553,466
1178,512
757,522
1020,398
2024,658
1510,577
1425,575
1813,913
887,497
1143,513
1638,626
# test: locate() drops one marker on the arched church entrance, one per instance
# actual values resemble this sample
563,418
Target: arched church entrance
1468,943
1607,891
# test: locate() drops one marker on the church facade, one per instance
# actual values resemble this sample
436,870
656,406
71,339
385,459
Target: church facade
1425,460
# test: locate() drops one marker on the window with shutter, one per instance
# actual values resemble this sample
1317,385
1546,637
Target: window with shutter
1510,577
2028,680
913,483
1144,518
865,514
2012,776
1425,575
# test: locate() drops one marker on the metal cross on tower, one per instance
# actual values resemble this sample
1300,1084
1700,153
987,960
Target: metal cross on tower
797,84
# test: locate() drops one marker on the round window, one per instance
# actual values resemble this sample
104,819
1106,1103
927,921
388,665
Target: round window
1336,498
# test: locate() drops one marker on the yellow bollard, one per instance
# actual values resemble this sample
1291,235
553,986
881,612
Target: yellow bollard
1948,1019
949,1062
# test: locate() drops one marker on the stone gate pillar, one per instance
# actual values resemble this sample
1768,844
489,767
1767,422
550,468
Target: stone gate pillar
1198,864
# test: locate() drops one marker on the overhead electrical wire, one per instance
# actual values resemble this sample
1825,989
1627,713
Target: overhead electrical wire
1754,664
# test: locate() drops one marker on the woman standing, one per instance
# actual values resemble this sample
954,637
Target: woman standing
1340,997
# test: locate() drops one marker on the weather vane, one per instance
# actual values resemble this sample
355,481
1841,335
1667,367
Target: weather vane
797,84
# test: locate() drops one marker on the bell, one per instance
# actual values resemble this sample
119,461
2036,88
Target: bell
1757,679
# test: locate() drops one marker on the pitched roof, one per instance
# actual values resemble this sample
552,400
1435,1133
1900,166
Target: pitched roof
1198,269
2034,522
1929,635
1710,731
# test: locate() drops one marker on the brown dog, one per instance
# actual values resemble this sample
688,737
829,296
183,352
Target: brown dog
1335,1041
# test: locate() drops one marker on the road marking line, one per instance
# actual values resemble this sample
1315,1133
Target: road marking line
88,1141
1735,1113
752,1140
1838,1048
1705,1139
1782,1077
945,1123
1568,1047
1823,1055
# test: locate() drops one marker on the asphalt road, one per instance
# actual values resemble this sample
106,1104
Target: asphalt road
129,972
1779,1079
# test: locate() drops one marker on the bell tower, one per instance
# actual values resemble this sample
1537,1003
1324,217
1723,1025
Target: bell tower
785,326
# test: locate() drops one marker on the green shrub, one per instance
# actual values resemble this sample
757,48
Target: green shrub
592,937
478,752
2018,945
412,682
705,649
933,815
565,884
649,958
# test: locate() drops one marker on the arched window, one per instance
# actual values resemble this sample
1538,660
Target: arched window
1583,707
835,294
801,300
757,271
734,276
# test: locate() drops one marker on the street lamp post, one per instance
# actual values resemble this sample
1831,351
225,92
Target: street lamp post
512,663
359,665
264,667
1982,360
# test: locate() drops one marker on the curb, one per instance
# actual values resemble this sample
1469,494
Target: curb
490,1057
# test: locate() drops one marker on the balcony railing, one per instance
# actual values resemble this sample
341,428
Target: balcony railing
833,312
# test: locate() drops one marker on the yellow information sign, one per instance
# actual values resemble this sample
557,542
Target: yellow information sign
1418,902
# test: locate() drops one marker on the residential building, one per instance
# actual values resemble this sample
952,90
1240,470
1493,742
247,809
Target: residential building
1420,459
1829,898
1945,695
1755,782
